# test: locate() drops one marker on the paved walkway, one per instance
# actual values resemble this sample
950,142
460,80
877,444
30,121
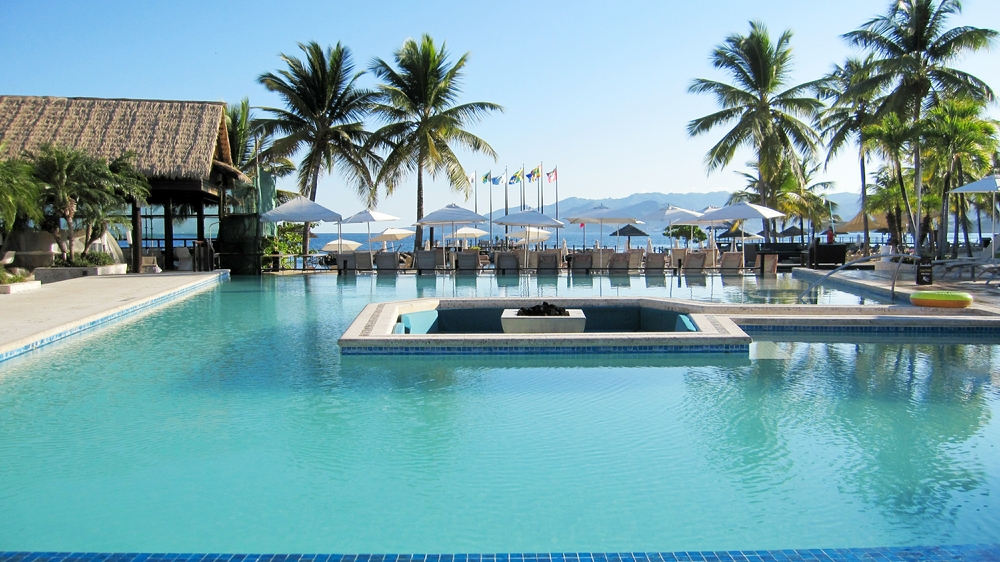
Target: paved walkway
57,310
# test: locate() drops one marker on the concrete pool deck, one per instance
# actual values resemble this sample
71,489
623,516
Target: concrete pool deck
58,310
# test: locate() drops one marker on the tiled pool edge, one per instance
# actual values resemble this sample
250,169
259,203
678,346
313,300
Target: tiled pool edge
20,347
972,553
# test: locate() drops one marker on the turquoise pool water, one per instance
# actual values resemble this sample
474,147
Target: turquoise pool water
228,422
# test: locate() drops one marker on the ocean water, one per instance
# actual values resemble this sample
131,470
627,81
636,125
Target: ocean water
229,422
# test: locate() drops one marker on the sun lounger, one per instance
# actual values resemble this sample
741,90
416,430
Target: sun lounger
581,262
731,263
387,261
958,265
618,262
506,262
430,261
677,256
362,261
694,262
656,263
149,265
548,262
602,258
467,262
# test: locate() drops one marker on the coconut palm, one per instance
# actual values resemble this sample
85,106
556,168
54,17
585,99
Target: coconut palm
958,133
323,115
769,117
249,143
914,47
416,101
890,137
843,123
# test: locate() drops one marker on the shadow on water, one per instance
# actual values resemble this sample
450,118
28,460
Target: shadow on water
887,422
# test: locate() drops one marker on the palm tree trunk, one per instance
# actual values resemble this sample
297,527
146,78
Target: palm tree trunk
70,213
418,240
864,200
945,210
314,184
906,200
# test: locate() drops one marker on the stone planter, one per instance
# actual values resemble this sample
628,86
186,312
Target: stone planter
572,324
19,287
53,274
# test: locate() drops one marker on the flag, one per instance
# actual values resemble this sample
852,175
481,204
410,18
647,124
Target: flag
472,179
516,178
535,174
552,175
486,177
497,180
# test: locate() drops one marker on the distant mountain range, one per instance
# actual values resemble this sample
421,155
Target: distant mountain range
646,205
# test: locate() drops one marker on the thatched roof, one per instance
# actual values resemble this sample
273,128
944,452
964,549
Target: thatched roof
171,139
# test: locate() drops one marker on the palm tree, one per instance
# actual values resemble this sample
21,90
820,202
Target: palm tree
913,48
416,100
851,110
323,115
890,137
19,196
69,179
768,115
959,133
249,143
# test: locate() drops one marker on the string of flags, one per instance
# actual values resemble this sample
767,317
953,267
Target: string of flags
517,176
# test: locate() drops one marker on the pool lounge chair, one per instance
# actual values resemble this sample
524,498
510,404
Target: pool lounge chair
548,262
467,262
958,265
677,256
387,262
363,261
618,262
602,258
635,258
581,262
694,262
766,264
731,263
430,261
506,262
656,263
149,265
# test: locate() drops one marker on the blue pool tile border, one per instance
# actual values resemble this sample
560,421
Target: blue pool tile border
951,553
117,315
881,329
539,350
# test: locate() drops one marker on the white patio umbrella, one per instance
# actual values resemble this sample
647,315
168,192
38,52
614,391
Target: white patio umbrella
603,215
393,235
368,216
989,184
341,245
451,214
672,214
469,232
531,234
530,219
741,211
303,210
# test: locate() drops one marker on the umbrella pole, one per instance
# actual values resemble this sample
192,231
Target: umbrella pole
371,253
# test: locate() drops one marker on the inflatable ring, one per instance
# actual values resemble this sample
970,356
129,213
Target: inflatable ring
942,299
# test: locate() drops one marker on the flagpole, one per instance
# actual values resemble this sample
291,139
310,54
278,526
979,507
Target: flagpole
541,188
506,198
556,170
491,207
475,178
522,186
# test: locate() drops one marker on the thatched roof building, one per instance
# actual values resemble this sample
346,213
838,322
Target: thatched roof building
181,146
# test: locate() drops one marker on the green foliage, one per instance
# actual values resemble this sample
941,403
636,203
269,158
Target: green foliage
83,190
7,278
19,196
692,233
288,240
91,259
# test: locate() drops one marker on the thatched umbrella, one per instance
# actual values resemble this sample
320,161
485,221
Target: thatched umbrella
628,231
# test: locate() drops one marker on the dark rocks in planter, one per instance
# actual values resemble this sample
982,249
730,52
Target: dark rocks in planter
544,309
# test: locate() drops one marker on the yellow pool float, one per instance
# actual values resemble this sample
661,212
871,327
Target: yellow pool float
941,299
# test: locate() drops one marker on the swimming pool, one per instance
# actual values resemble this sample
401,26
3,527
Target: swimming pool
229,422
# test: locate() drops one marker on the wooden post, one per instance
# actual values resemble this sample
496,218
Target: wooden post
136,245
168,235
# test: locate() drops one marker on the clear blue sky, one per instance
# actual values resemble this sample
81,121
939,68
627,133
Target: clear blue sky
597,88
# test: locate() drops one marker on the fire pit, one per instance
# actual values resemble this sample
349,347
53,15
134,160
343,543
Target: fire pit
544,318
